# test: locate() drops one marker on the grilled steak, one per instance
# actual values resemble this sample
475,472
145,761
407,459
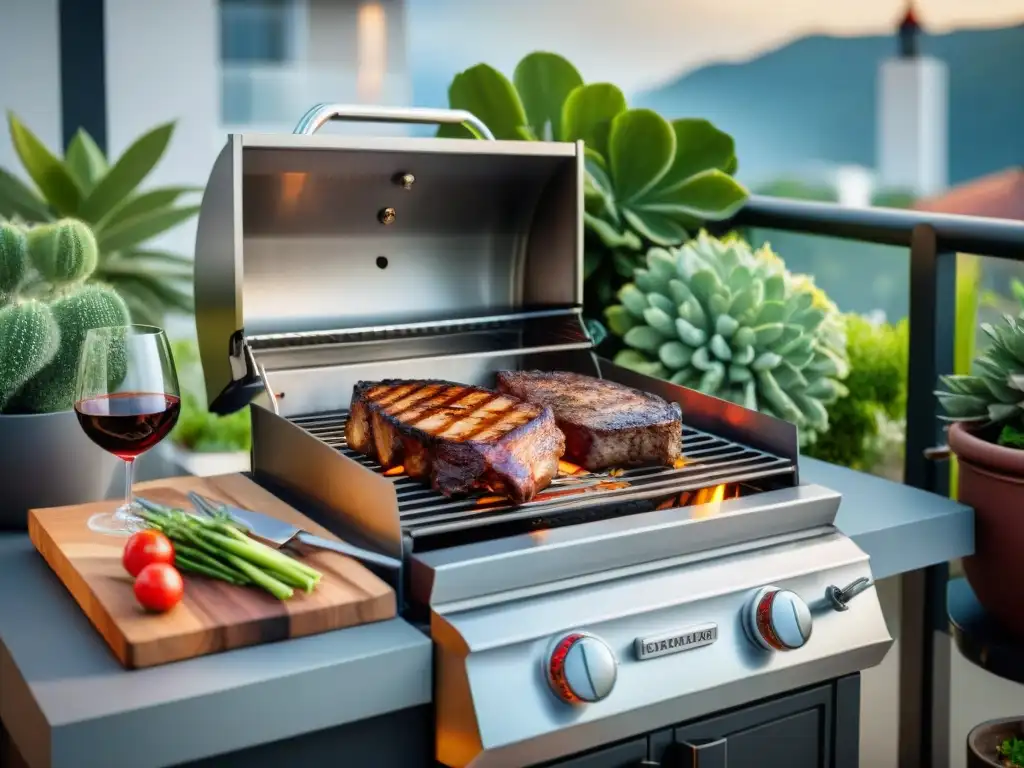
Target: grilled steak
605,424
457,438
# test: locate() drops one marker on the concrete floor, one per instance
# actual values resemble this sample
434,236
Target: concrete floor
977,696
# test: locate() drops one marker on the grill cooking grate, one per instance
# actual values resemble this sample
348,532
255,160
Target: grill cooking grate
709,460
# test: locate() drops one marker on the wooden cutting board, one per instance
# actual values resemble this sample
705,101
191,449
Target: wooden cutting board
213,616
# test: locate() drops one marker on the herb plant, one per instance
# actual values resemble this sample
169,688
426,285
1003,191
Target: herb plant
197,429
1012,752
861,423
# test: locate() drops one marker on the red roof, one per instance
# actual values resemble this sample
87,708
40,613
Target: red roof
998,196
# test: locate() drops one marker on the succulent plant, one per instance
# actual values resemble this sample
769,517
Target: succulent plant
995,395
729,321
649,180
47,308
103,193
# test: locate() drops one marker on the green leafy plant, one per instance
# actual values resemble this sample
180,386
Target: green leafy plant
860,425
86,185
42,329
993,398
732,322
1011,752
197,429
649,181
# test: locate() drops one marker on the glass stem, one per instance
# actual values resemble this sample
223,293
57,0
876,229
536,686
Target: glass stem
129,466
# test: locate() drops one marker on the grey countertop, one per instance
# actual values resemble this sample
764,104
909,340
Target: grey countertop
63,695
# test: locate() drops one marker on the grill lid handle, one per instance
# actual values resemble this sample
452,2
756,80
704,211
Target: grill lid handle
312,121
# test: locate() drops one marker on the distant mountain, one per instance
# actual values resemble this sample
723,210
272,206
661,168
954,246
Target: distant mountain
815,100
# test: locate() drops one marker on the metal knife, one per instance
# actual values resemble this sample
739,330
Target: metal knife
279,533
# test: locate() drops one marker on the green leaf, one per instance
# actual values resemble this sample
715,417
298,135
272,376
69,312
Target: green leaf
486,93
659,228
611,236
159,264
588,113
46,170
144,203
710,195
16,199
127,173
142,228
641,146
544,81
619,319
145,305
169,295
644,338
85,160
699,147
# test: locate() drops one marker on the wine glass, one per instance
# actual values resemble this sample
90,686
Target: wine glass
127,400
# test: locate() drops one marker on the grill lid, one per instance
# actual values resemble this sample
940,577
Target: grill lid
329,250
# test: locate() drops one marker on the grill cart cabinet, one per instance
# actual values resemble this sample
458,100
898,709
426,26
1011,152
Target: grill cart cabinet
813,728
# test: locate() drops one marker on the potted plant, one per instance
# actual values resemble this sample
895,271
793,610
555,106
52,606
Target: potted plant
203,443
104,193
986,411
46,308
998,743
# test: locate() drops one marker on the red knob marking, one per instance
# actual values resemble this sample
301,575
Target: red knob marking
556,668
764,622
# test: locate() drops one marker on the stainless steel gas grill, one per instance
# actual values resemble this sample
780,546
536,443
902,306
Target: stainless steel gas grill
560,625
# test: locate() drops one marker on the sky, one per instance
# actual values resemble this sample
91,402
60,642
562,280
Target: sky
640,44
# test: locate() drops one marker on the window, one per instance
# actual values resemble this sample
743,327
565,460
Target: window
258,40
256,31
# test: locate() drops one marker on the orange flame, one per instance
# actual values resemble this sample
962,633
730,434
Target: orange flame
399,470
567,468
706,500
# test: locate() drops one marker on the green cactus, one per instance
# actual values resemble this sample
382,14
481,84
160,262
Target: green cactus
92,306
732,322
29,339
40,338
63,252
13,260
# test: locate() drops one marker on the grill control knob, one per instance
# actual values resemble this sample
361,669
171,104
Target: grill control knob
778,620
581,668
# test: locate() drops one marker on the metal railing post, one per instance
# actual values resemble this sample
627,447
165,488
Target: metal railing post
924,644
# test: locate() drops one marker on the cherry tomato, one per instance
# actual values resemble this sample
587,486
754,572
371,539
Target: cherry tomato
159,587
145,547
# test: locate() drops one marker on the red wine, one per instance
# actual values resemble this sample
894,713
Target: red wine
128,423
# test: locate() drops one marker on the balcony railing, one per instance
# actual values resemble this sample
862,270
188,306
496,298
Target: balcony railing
273,97
933,240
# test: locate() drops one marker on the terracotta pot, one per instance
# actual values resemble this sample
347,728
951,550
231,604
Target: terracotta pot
983,741
992,482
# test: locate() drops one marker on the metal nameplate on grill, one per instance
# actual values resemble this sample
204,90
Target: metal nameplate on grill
675,642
